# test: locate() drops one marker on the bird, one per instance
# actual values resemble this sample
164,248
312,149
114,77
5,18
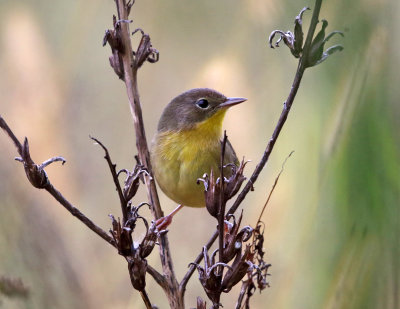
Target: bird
187,145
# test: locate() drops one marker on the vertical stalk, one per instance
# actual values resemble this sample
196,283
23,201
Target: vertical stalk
222,203
130,77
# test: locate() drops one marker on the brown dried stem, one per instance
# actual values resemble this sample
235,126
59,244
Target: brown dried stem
11,134
77,213
160,279
146,299
114,174
243,290
30,166
130,69
222,202
270,146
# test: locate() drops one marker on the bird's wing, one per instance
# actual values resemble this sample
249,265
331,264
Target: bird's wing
230,155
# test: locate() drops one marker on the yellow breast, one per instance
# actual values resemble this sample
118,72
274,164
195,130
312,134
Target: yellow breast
180,158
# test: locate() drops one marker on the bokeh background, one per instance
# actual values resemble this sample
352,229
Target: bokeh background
332,226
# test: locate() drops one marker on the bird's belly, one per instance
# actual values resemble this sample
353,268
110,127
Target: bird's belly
178,165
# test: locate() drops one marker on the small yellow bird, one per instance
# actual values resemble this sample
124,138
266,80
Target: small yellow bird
187,145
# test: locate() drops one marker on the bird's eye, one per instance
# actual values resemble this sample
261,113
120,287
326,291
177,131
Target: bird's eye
202,103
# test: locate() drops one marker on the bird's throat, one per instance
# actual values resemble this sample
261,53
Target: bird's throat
211,127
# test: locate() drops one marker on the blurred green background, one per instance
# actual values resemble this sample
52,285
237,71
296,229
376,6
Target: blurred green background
332,226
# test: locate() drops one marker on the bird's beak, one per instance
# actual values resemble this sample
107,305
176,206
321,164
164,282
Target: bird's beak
232,101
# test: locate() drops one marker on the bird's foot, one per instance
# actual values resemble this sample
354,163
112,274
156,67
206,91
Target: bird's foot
164,222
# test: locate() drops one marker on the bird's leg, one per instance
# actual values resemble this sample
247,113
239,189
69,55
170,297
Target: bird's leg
164,222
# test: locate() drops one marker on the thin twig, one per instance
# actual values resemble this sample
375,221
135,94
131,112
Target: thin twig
192,267
77,213
5,127
272,189
157,276
146,299
114,174
270,146
221,214
57,195
243,290
52,160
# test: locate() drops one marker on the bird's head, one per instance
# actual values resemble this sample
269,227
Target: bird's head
194,107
